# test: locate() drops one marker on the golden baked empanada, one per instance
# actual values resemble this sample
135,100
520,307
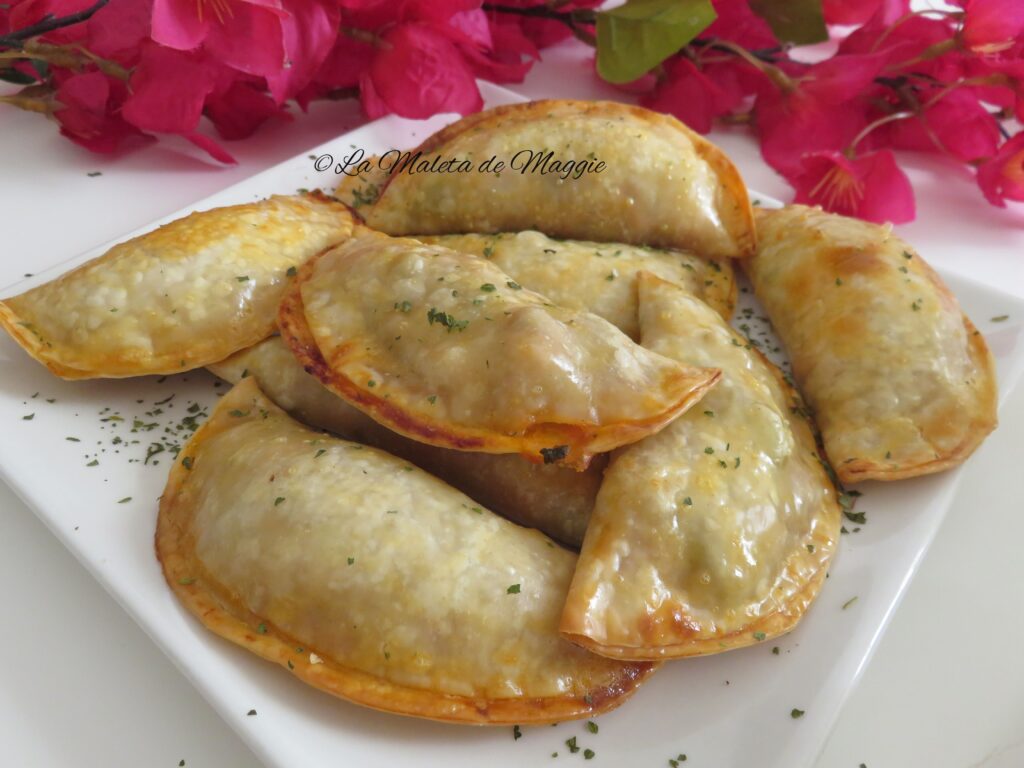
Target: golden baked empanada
360,189
189,293
716,532
647,179
447,349
370,579
549,497
900,381
596,277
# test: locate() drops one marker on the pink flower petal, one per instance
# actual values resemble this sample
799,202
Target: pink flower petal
345,63
241,109
842,77
250,40
87,112
117,30
439,11
505,67
956,123
905,42
421,73
211,147
1001,178
373,105
309,35
992,25
30,12
791,125
870,187
847,12
541,32
168,90
176,24
473,25
373,15
509,41
688,94
736,22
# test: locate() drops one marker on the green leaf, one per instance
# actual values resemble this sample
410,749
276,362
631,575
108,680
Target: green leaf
793,21
637,36
15,76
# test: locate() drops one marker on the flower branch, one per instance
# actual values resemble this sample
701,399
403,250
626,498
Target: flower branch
49,23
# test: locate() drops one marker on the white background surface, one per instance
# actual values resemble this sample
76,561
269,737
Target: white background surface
83,686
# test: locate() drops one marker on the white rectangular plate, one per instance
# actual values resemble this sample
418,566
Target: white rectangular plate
727,710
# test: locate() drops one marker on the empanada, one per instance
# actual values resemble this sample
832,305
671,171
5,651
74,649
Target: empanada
647,179
187,294
360,189
447,349
715,533
549,497
596,277
900,381
370,579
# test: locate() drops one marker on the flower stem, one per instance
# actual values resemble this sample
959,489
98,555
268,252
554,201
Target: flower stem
49,23
907,17
28,103
851,150
774,73
73,57
573,19
931,52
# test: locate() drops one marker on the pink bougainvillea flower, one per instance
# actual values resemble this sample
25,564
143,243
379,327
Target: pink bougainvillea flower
846,12
472,35
87,112
418,72
825,111
738,24
510,44
210,147
870,186
543,33
791,125
853,12
903,44
28,12
842,77
244,34
1001,177
991,26
345,63
1007,76
375,15
116,30
309,31
241,108
437,11
690,95
472,25
168,90
956,123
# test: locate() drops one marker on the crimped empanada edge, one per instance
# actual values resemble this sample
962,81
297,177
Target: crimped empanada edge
778,622
585,441
984,422
198,593
121,366
743,231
